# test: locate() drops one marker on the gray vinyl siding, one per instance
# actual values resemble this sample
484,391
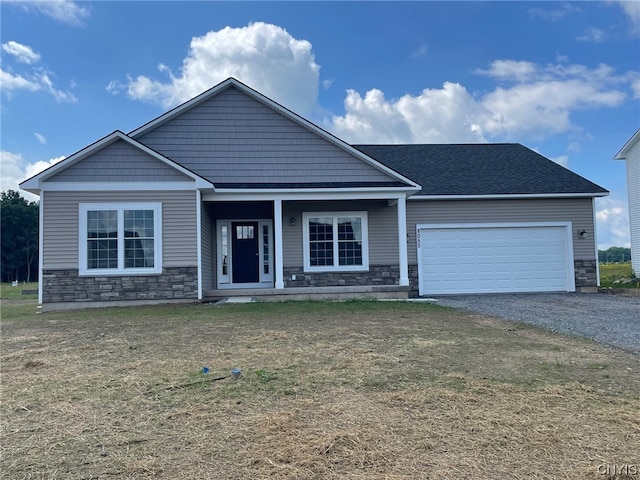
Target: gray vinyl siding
233,138
179,246
579,211
120,162
382,221
208,249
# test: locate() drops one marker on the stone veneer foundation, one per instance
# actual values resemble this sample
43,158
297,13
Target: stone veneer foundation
585,272
67,286
376,275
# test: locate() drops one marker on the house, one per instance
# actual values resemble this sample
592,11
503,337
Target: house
631,153
232,194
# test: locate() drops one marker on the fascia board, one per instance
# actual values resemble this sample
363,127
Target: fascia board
117,186
315,194
507,196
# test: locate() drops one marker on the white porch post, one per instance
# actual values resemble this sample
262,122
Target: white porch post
277,228
402,241
199,240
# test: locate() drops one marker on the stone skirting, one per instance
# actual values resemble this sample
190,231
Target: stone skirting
585,273
414,290
376,275
67,286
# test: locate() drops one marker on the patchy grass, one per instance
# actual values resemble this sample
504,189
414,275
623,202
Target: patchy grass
328,390
7,291
612,273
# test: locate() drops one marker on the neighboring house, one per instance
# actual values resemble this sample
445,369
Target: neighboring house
631,153
232,194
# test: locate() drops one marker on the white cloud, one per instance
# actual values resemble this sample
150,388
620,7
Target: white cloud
37,81
554,14
513,70
264,56
632,9
65,11
421,51
612,220
594,35
14,170
59,95
434,116
40,138
22,53
530,102
11,83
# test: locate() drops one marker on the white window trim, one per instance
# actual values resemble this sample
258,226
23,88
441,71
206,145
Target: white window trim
335,268
83,269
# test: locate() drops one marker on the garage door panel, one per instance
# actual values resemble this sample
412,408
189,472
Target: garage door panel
493,259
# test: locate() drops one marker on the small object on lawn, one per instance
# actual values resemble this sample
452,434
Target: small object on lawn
205,370
235,373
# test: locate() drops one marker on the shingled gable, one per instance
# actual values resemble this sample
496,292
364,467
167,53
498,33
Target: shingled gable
468,170
56,172
239,139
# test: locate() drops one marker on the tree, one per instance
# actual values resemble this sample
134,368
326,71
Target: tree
614,255
19,236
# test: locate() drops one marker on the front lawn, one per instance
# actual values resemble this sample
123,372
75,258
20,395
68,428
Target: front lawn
361,390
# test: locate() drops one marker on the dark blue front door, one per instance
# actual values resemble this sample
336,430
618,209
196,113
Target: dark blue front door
246,259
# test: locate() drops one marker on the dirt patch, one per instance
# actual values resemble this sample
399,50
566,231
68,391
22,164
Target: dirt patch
328,390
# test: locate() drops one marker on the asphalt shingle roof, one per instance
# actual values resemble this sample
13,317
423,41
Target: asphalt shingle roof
479,169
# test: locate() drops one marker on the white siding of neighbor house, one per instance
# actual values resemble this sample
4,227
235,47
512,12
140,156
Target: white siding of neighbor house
633,186
61,225
233,138
382,222
579,211
120,162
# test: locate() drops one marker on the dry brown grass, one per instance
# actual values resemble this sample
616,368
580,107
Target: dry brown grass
358,390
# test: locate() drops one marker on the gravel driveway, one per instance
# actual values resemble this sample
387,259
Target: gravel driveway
609,319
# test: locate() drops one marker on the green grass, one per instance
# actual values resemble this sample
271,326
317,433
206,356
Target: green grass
7,291
611,273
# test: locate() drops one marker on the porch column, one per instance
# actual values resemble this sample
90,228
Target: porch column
277,228
402,241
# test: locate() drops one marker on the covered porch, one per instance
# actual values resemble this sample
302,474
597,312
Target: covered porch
301,246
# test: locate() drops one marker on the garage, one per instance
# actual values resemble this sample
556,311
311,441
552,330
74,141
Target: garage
494,258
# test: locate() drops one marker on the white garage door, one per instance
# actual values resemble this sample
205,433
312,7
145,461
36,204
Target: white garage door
495,258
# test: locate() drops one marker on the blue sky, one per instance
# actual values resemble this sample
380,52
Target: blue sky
562,78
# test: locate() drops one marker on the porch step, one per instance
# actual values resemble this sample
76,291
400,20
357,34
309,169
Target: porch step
307,293
236,300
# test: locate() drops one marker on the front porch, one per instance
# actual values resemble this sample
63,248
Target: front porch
304,248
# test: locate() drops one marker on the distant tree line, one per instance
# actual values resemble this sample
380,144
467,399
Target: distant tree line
614,255
19,237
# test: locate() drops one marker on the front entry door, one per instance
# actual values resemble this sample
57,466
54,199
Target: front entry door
246,256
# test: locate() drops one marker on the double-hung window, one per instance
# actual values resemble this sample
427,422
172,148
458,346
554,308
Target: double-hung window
119,238
335,241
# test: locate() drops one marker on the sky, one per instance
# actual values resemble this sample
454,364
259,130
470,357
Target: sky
562,78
